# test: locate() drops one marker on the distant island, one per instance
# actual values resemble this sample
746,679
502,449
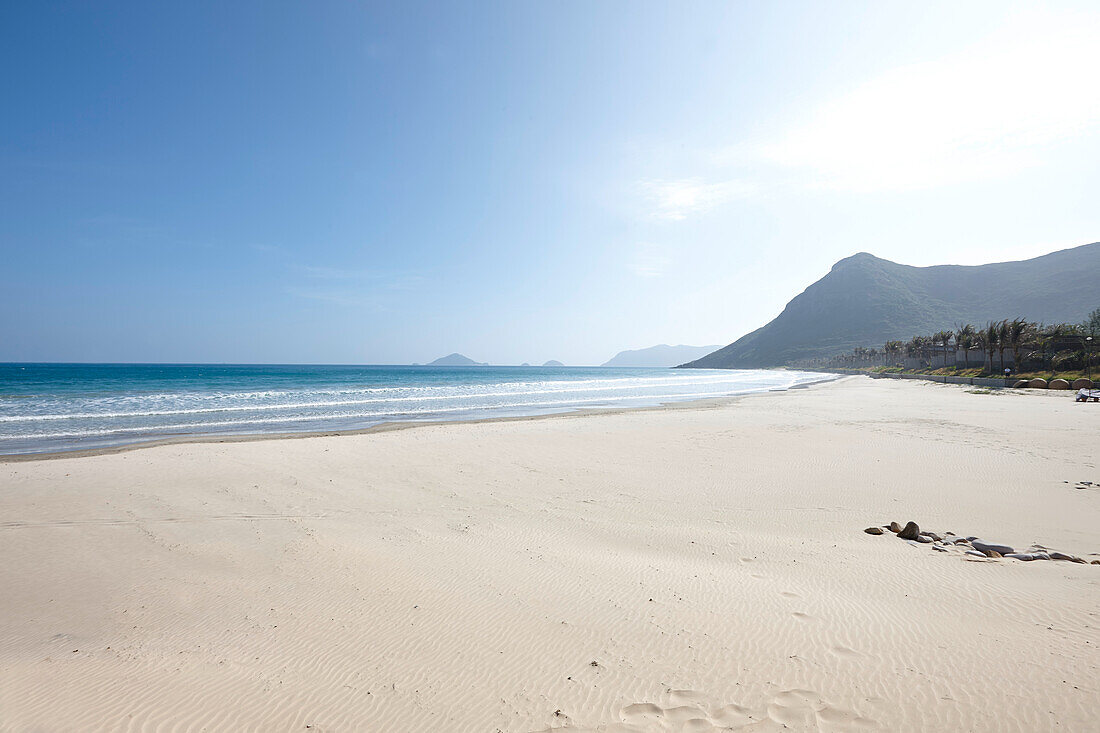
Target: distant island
456,360
865,301
525,364
553,363
661,355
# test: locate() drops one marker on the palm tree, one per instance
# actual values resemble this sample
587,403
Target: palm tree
1091,325
942,338
964,338
1017,332
1060,359
989,341
1002,341
917,346
1049,337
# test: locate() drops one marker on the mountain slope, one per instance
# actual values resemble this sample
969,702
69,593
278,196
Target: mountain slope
866,301
455,360
662,355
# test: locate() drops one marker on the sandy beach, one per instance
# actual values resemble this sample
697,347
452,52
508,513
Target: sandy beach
690,568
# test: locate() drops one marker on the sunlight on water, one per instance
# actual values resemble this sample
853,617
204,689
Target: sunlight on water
56,407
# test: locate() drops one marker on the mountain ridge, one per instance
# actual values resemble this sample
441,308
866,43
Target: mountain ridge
661,355
456,359
865,301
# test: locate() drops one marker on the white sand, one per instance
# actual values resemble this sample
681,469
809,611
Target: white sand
710,561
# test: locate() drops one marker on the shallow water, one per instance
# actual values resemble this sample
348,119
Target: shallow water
59,407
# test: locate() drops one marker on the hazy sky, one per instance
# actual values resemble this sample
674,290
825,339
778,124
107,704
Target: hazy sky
352,182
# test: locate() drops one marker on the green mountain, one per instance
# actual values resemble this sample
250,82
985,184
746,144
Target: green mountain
662,355
455,360
866,301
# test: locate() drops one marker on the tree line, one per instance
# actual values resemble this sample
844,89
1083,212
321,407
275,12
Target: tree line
1057,347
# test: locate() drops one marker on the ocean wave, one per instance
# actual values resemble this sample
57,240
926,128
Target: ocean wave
394,414
274,393
471,395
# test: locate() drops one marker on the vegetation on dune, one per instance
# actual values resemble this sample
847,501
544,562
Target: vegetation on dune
1065,350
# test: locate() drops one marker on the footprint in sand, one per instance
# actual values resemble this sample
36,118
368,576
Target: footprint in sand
648,714
641,713
831,718
807,709
688,711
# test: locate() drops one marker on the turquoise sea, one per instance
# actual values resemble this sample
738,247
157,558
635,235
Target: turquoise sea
62,407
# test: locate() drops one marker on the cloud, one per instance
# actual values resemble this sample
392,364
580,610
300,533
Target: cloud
677,199
649,261
993,109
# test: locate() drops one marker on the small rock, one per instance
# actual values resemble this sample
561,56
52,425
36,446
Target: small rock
975,553
933,535
1028,556
988,547
924,539
910,532
993,553
1096,562
939,548
873,530
1064,556
894,527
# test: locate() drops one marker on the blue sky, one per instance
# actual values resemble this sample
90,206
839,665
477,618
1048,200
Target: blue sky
386,183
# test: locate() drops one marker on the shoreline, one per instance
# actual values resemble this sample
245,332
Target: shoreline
386,427
626,571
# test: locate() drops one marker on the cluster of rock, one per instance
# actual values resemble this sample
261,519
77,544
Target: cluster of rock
1040,383
972,546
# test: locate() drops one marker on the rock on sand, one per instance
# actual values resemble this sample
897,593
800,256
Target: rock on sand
910,532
